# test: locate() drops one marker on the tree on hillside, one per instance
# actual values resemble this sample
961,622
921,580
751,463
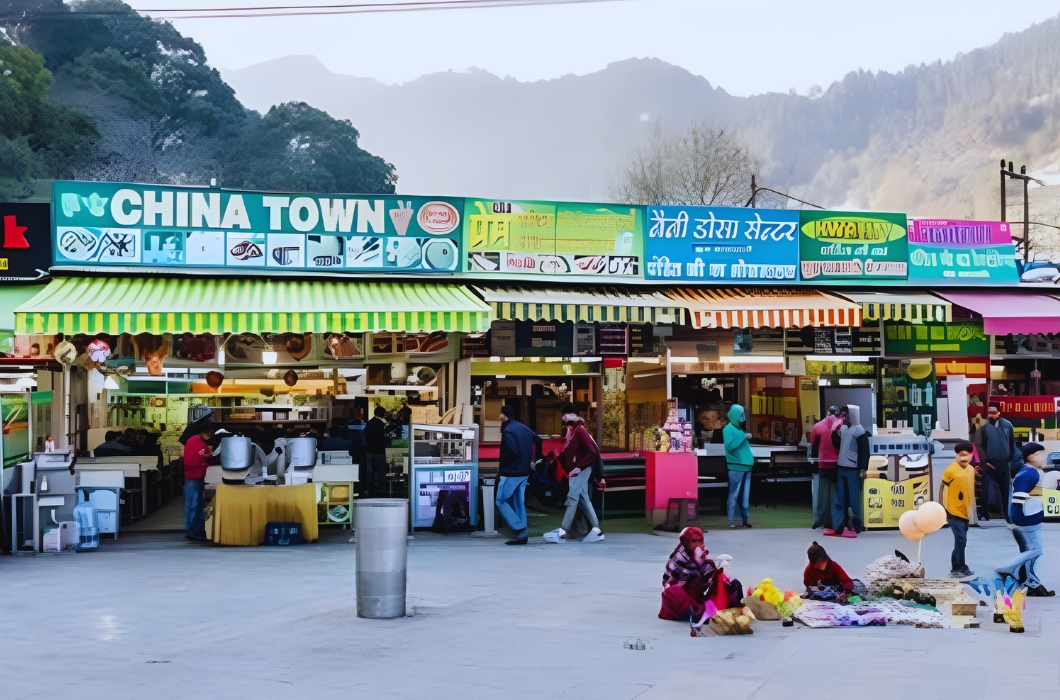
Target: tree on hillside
297,147
143,104
703,164
38,139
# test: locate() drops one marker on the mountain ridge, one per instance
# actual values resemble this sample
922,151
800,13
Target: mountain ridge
925,139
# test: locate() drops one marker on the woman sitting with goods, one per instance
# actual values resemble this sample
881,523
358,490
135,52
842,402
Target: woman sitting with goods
693,584
822,571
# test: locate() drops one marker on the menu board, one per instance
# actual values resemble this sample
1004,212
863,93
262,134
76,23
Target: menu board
553,239
962,252
837,245
105,223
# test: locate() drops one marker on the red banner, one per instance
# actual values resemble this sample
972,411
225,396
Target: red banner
1026,406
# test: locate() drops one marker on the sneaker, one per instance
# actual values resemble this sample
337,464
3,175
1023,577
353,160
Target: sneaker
1040,591
556,536
960,574
517,540
746,524
829,532
849,533
594,536
732,526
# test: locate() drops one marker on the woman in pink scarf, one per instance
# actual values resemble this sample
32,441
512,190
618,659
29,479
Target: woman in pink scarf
693,587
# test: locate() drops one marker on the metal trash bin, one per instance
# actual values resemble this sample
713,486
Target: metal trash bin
381,527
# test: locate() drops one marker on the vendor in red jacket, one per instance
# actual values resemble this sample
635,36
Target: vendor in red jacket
822,571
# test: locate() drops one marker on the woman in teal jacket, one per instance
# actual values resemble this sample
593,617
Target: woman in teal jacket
738,461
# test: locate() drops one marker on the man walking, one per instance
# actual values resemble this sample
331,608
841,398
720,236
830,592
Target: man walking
995,441
197,456
375,452
853,450
519,448
827,456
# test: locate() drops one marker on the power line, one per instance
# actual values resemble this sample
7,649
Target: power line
300,10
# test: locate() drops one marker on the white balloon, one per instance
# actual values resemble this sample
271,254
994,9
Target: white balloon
930,517
907,524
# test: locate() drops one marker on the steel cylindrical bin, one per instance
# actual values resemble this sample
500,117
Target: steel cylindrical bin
381,527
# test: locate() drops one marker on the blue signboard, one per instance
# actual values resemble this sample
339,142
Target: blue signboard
721,244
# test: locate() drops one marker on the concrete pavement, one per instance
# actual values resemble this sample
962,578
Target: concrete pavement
486,621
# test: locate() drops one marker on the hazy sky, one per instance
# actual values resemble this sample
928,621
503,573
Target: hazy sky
744,47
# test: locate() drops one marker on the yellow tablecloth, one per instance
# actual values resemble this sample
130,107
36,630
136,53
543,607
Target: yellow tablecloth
241,512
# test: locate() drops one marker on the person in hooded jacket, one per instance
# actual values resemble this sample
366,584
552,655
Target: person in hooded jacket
738,460
853,449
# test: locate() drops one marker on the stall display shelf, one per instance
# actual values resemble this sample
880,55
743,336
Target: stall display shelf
332,496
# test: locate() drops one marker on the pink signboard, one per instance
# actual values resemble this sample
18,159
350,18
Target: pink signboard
949,251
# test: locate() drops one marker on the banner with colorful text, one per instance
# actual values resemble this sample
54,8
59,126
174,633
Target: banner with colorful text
105,223
560,240
944,251
723,244
836,245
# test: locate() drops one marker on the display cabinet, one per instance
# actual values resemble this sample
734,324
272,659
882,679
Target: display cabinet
444,458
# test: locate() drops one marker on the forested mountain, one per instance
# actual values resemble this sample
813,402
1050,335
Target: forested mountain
93,90
925,140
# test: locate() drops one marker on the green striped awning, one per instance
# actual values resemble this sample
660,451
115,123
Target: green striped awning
90,305
603,304
912,307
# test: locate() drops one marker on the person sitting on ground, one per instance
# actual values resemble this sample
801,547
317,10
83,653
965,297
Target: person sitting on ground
579,458
693,585
957,496
822,571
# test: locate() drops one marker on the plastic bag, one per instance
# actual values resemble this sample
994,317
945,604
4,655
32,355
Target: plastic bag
732,621
761,609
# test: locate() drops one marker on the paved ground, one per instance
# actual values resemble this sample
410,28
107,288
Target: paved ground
155,618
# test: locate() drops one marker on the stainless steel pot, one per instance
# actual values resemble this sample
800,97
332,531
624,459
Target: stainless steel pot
237,452
301,452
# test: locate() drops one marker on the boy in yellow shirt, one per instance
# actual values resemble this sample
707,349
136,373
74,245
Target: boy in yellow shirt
957,493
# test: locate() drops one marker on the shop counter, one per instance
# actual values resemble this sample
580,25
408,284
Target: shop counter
668,475
240,513
138,471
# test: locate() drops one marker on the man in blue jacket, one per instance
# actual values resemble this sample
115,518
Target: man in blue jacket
1027,514
519,448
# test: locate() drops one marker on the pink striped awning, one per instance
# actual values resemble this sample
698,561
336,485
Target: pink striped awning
765,308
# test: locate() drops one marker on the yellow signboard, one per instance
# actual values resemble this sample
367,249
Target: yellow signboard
885,501
1051,501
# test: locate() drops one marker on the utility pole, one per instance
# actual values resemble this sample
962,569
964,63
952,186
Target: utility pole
754,190
1006,173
